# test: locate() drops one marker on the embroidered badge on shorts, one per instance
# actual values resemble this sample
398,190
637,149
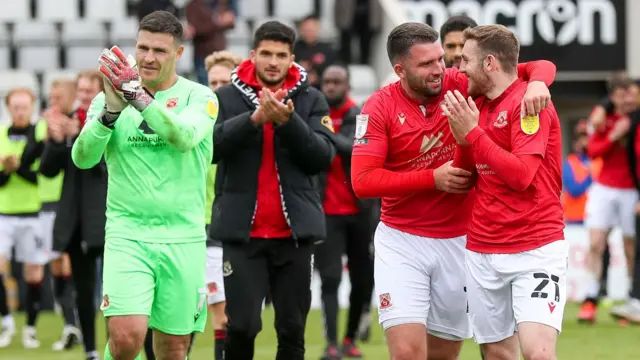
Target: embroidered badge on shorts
385,301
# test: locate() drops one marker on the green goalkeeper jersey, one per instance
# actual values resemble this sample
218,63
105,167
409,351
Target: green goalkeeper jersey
157,162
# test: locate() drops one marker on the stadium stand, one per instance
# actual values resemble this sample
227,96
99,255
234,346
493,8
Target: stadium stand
42,39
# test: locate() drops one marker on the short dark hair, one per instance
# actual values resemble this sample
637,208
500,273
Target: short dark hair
619,80
498,41
162,22
404,36
274,31
342,66
456,23
309,17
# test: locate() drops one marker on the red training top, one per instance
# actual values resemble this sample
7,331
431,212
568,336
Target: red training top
339,198
615,171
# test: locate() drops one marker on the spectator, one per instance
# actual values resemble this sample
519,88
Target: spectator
210,19
314,55
453,40
348,219
578,173
219,67
269,216
61,101
630,311
80,221
19,207
360,17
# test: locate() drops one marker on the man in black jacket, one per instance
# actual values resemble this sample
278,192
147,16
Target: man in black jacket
80,220
348,223
271,142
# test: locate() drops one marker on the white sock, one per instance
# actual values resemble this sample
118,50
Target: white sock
8,322
593,286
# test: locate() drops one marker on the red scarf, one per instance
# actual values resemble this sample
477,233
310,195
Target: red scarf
247,73
82,116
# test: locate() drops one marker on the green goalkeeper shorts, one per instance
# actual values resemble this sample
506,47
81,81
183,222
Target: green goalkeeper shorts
165,282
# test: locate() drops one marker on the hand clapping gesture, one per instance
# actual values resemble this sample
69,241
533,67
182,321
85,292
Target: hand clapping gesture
463,114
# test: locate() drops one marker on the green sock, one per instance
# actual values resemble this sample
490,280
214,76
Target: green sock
107,354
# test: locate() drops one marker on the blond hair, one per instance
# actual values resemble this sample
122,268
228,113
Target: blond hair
223,58
92,75
498,41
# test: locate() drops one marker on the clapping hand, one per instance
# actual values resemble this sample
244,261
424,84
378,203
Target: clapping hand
11,163
462,114
274,109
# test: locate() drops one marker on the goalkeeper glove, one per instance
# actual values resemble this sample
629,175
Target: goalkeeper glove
115,66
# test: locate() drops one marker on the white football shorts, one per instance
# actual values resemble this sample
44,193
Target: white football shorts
24,234
507,289
215,280
609,207
421,280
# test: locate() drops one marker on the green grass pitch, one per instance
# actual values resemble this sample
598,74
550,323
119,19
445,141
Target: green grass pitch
604,341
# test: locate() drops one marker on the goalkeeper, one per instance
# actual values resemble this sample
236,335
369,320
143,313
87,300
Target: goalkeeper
155,130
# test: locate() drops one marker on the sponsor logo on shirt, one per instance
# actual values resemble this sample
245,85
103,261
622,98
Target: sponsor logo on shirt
402,118
147,138
431,142
501,121
362,121
484,169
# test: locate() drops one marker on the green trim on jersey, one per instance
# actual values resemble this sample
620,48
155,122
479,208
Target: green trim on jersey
157,162
17,196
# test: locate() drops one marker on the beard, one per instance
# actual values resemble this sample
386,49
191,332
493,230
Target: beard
271,81
453,62
336,101
479,83
421,86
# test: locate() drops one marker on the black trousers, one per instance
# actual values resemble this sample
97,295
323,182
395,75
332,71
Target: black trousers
281,266
84,269
350,235
635,284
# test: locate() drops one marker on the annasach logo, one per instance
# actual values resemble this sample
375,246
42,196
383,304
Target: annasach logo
147,138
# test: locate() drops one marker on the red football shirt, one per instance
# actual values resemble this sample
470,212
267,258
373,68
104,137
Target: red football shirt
615,170
339,198
412,136
504,220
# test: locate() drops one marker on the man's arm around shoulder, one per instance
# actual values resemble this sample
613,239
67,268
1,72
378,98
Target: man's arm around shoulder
308,139
230,134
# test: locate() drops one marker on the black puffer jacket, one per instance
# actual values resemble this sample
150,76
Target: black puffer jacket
302,149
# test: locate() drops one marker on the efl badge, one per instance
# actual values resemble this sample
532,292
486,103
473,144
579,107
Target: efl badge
362,121
328,123
171,103
212,107
530,124
501,121
385,301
